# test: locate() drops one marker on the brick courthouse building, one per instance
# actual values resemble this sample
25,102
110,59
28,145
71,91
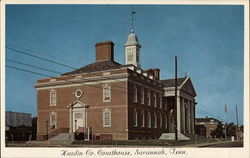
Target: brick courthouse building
116,101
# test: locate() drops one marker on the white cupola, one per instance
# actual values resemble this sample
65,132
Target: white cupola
132,50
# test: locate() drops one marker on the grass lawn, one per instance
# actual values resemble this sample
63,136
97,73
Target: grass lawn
147,142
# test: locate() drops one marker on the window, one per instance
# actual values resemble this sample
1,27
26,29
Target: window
155,120
135,118
154,100
53,120
52,97
107,118
149,120
142,119
106,94
134,93
148,98
142,96
160,121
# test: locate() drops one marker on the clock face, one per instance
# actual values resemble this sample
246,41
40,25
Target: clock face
130,54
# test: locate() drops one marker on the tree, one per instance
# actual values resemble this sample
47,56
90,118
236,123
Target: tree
231,129
218,132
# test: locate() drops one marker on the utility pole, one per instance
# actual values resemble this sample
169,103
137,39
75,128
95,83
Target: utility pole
237,127
175,107
225,121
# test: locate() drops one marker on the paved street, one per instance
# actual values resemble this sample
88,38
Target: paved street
225,144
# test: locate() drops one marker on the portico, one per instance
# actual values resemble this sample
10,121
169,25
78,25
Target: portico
185,103
78,116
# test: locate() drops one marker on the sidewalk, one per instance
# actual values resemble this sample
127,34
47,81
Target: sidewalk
207,144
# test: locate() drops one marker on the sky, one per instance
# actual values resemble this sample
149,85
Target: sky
208,41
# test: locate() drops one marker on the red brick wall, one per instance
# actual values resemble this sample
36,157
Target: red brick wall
93,96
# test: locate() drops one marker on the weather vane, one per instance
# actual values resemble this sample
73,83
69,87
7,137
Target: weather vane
132,18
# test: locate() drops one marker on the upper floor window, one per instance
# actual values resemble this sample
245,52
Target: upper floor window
134,93
53,120
160,101
52,97
135,118
142,96
154,100
148,98
107,118
106,94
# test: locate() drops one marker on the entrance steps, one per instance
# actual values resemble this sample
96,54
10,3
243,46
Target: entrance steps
171,136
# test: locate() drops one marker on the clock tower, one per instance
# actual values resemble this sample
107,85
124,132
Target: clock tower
132,50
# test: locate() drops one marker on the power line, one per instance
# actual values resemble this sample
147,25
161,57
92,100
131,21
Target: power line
42,44
49,70
34,56
206,113
18,51
58,78
40,68
39,53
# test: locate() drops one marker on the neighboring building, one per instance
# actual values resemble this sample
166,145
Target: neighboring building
119,102
205,126
15,119
18,126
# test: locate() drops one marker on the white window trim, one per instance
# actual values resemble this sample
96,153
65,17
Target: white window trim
103,117
103,93
135,118
50,94
135,99
142,96
51,124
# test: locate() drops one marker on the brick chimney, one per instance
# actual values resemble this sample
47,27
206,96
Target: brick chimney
155,72
105,51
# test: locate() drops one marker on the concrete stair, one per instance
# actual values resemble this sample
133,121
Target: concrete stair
62,138
171,136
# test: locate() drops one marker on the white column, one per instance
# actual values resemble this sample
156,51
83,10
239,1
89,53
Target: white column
70,120
189,117
192,116
183,121
178,108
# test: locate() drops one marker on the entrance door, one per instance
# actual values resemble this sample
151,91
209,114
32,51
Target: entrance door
78,124
171,123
